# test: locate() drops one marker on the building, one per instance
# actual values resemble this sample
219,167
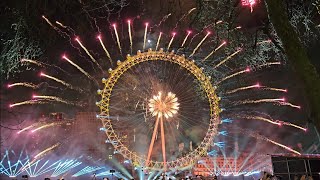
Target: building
93,140
234,166
90,140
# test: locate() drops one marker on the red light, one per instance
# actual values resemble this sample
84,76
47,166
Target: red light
64,57
208,32
99,36
41,74
248,69
257,85
10,105
189,32
174,33
285,90
283,99
77,38
114,24
147,24
248,2
129,21
224,42
9,86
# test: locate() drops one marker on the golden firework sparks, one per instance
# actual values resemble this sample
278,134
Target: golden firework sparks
165,106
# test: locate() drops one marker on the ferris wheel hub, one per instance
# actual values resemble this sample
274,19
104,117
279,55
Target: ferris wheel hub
165,106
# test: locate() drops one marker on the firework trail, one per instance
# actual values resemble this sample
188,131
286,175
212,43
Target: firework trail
30,102
256,86
281,145
33,62
219,22
63,34
57,99
171,40
185,39
117,36
274,89
70,30
204,28
89,16
46,151
200,43
243,88
88,53
49,125
105,49
289,104
260,101
145,36
60,24
293,125
164,18
79,68
158,41
215,50
29,127
130,35
275,122
41,64
49,22
60,81
233,75
66,27
260,137
227,58
269,64
25,84
236,28
184,16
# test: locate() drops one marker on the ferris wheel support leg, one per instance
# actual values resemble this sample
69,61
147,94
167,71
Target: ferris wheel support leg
152,141
163,144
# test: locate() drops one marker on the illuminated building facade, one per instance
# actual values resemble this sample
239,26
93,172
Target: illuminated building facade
232,166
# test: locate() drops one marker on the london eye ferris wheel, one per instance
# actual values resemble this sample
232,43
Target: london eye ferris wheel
165,103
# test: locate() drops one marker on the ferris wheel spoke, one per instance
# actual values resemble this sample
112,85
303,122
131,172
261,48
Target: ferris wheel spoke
152,141
163,144
162,106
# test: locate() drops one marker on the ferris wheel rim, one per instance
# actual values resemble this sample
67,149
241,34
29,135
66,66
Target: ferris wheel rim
191,67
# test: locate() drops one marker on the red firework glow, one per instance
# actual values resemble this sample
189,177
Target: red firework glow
250,3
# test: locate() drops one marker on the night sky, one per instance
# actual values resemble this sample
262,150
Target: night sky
25,34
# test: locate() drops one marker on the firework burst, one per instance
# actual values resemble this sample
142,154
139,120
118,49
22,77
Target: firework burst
202,75
164,106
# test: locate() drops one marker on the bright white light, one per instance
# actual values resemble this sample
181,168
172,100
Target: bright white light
164,106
